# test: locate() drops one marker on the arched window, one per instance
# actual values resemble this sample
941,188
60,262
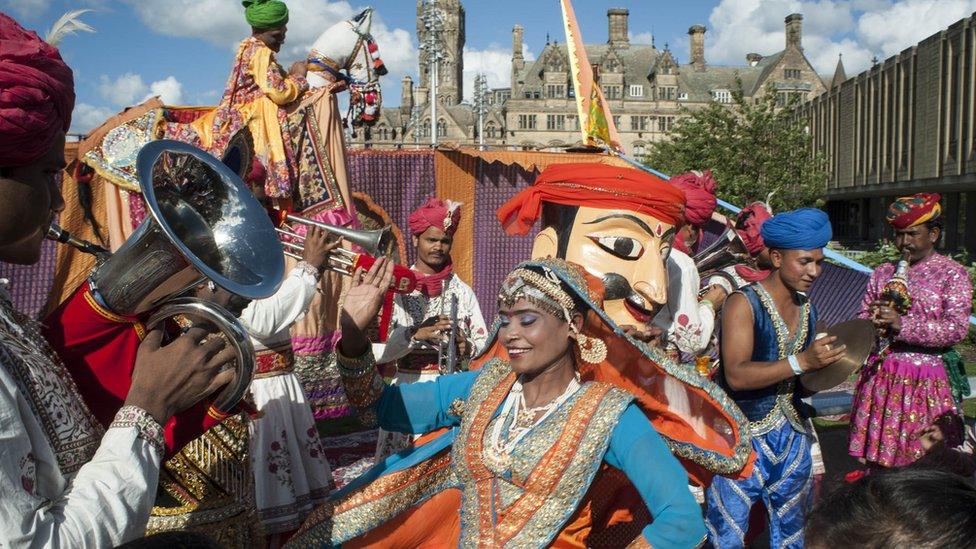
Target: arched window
490,130
639,150
441,128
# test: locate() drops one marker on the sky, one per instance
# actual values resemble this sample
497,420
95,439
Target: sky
182,49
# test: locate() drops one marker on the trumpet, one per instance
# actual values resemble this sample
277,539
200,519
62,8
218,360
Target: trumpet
376,243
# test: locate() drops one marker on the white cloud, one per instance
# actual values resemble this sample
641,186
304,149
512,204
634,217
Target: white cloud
169,89
221,22
494,62
130,89
87,117
860,29
642,38
907,22
124,90
27,9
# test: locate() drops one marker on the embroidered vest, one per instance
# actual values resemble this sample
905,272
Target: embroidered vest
72,430
551,468
766,408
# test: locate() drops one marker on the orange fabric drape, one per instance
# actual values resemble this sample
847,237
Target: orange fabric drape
537,160
71,266
454,179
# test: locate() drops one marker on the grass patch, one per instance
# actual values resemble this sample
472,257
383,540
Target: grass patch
969,408
822,423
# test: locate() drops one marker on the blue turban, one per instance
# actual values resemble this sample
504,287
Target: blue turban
803,229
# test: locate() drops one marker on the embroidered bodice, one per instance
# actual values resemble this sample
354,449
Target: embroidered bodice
773,341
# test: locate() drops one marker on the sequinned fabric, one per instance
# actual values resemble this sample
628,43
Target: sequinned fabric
908,389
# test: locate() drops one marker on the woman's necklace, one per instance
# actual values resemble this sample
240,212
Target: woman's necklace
498,454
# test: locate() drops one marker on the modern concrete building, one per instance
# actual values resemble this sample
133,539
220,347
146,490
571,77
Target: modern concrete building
905,125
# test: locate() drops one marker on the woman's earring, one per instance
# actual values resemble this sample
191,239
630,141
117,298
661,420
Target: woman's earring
592,349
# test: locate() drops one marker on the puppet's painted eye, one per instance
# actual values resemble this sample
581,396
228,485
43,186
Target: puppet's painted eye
620,246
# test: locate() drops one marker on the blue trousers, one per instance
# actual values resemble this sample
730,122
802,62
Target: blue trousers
782,478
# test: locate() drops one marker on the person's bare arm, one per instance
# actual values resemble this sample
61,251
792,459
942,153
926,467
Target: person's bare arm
741,372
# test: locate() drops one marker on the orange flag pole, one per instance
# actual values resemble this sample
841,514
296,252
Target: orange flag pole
596,122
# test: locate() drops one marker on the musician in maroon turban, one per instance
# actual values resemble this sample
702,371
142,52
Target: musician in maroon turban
699,189
748,225
421,319
66,480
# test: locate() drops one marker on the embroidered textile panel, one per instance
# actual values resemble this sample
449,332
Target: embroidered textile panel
399,181
496,253
30,284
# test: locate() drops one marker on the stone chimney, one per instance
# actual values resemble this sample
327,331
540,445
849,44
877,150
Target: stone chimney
517,42
518,60
617,19
753,59
697,34
794,31
406,94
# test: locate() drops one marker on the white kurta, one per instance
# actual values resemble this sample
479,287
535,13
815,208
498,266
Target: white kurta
62,482
687,322
291,473
411,310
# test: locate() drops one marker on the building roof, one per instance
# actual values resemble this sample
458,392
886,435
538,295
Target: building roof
639,61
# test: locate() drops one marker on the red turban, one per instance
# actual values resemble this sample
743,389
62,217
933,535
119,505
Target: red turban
436,213
36,94
751,219
909,211
699,190
595,186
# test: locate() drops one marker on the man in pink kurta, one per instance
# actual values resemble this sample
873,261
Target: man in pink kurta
906,387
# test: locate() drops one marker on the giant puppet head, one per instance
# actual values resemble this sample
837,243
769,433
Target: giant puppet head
619,223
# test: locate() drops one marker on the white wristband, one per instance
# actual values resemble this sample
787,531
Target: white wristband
795,364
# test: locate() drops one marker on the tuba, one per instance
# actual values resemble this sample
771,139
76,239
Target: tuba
727,250
203,225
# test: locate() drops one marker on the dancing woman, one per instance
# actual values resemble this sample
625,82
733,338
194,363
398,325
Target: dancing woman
529,432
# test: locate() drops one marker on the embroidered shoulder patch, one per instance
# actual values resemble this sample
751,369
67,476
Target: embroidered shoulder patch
456,408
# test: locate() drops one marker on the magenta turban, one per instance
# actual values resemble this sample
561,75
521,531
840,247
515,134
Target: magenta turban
699,190
36,94
751,219
435,213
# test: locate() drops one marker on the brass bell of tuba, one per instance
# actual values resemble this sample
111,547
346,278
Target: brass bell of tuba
203,225
727,250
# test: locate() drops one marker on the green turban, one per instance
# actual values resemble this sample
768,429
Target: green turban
265,14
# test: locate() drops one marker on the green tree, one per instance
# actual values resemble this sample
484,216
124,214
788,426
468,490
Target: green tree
753,149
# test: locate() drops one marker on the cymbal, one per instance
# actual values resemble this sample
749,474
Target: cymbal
858,335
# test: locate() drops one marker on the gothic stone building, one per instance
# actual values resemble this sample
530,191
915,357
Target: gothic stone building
644,86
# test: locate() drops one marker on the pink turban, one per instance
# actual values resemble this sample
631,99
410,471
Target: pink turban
751,219
36,94
699,190
436,213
